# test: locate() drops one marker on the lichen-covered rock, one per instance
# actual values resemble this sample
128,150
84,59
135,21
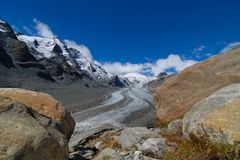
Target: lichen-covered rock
215,118
44,104
26,135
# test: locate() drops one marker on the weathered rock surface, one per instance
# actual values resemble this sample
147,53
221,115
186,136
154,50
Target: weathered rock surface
26,135
136,135
154,146
44,104
180,92
215,118
175,127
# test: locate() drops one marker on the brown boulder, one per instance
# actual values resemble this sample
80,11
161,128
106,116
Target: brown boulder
27,135
42,103
180,92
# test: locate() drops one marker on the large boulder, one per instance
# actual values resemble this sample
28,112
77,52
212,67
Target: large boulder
44,104
215,118
180,92
26,135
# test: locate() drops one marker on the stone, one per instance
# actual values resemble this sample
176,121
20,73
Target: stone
175,127
44,104
154,146
138,155
157,130
215,118
99,146
180,92
131,136
23,136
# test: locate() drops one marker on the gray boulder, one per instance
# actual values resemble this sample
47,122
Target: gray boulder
215,118
136,135
154,146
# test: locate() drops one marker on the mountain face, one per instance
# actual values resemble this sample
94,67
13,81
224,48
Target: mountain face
180,92
52,59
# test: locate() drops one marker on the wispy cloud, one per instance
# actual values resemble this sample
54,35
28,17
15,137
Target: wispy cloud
43,30
28,30
230,46
82,48
197,51
15,28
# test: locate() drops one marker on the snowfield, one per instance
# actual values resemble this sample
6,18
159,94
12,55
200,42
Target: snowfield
43,48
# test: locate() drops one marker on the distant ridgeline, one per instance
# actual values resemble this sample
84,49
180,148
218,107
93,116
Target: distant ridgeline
50,60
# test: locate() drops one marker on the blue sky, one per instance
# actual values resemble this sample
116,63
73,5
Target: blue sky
136,31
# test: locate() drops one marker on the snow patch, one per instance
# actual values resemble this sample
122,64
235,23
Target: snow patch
1,30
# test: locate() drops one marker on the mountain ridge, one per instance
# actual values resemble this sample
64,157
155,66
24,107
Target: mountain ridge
54,59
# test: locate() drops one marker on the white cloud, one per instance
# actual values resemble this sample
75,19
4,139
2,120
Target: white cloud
43,30
141,70
28,30
196,51
82,48
172,61
117,68
151,69
230,46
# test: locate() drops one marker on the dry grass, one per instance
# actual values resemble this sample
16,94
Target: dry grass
203,151
108,139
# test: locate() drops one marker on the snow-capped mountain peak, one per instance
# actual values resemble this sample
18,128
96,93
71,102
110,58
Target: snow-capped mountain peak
52,47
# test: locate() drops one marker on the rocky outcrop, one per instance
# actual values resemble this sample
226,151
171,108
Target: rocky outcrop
180,92
215,118
33,130
44,104
5,59
117,82
154,84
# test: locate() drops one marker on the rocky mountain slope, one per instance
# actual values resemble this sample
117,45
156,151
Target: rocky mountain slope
180,92
50,59
153,84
